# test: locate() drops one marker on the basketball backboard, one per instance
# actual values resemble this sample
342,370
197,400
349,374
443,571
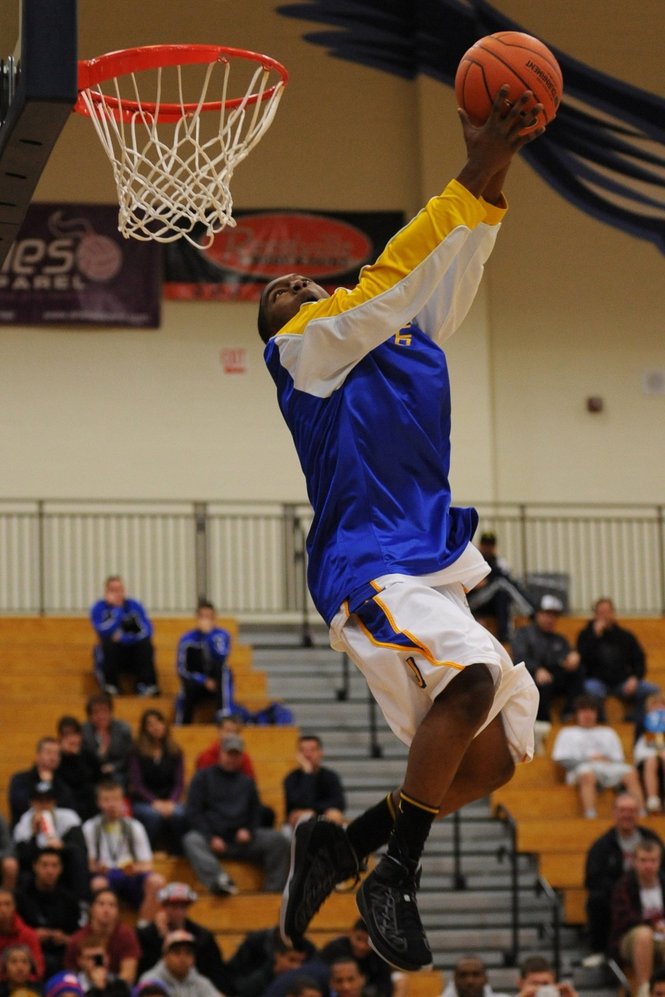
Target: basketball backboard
38,88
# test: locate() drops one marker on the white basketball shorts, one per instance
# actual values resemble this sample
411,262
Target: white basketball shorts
410,639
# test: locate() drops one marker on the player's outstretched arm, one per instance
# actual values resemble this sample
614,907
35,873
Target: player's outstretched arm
491,146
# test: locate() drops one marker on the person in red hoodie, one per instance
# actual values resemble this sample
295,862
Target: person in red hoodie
14,931
231,724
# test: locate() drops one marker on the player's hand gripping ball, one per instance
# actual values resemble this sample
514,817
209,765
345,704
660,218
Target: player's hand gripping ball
510,58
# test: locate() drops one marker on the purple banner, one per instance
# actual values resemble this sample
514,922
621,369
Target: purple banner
69,265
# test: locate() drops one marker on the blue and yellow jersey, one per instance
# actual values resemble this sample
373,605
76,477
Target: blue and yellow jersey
363,385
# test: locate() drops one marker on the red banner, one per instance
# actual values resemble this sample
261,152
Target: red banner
329,247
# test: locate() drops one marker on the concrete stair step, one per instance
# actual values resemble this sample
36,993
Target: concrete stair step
475,902
327,716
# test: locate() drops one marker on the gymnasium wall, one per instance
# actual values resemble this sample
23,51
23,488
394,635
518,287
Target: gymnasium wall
569,307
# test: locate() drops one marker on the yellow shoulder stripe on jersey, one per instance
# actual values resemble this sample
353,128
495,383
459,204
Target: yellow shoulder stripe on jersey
454,208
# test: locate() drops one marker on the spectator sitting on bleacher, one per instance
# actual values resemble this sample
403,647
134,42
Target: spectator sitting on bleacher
649,751
79,767
45,769
613,660
125,640
303,985
49,908
312,789
46,825
16,969
263,957
355,944
637,936
536,973
108,739
94,975
175,899
201,666
118,940
177,970
14,931
553,665
119,853
224,813
608,858
233,724
346,978
592,756
495,595
8,861
157,783
470,979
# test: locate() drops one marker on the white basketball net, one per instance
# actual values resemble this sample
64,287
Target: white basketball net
173,184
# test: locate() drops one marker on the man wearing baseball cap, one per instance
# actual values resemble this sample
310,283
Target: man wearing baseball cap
176,968
175,900
548,656
224,813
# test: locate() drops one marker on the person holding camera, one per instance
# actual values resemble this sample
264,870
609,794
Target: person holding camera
537,979
124,631
94,974
118,939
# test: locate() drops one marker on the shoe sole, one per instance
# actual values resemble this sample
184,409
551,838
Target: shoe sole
365,913
298,871
296,839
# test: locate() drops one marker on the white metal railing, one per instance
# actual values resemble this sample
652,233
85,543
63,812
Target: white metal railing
249,558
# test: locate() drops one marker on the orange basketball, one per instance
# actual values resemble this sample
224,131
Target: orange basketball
513,58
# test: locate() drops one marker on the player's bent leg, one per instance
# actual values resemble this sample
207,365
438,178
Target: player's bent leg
445,734
486,765
387,898
397,933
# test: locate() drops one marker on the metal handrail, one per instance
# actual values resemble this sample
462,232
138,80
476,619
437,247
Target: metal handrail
619,975
555,905
507,819
542,886
250,556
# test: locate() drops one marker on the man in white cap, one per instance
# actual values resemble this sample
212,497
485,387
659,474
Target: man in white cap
175,900
176,968
548,656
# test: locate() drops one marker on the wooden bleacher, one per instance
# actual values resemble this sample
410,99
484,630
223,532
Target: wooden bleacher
547,811
46,672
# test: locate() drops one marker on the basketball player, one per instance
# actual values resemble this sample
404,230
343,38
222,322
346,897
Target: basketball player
362,383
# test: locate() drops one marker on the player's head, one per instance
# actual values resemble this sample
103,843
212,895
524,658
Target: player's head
281,299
